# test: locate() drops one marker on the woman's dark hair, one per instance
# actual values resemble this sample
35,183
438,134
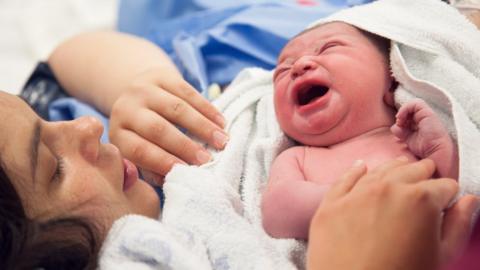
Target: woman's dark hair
25,243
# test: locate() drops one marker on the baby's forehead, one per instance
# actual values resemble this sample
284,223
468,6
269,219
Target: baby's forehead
304,39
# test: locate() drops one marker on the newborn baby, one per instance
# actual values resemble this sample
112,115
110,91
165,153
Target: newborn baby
334,96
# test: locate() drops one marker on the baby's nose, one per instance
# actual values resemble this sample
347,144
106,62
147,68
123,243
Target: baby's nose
302,65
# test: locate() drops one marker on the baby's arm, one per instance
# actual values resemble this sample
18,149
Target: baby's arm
426,136
289,201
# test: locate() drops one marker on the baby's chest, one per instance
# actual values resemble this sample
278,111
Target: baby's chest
325,166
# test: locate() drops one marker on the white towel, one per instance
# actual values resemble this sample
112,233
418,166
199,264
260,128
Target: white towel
435,55
220,201
213,211
141,243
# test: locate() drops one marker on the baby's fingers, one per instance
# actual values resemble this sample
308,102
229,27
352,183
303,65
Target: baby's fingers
407,115
412,113
400,132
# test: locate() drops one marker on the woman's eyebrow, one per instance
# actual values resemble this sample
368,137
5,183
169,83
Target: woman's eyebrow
34,143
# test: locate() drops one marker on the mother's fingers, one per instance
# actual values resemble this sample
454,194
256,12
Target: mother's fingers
144,153
177,86
181,113
347,181
414,172
165,135
379,172
457,226
441,192
186,92
151,177
400,171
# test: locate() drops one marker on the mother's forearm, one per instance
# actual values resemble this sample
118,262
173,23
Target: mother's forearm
97,67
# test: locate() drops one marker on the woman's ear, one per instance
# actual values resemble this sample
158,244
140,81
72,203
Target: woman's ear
388,97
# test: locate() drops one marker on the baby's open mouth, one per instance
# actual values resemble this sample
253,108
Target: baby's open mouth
310,93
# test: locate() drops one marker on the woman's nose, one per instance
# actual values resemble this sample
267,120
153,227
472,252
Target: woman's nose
88,131
302,65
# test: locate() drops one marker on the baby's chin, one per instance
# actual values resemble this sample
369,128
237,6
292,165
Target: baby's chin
320,140
313,140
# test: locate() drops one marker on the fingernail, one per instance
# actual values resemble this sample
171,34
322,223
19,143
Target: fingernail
220,138
219,119
180,162
358,163
203,156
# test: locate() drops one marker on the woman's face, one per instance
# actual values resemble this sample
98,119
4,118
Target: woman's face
61,169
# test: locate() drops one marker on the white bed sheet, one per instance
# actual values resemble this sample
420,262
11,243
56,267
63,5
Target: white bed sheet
30,29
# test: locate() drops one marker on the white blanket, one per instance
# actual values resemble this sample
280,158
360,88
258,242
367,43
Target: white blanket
435,55
213,210
220,201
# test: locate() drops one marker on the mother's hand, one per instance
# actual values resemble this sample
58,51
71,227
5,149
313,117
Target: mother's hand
144,120
390,218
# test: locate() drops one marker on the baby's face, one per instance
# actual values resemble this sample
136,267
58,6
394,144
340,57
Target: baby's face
330,84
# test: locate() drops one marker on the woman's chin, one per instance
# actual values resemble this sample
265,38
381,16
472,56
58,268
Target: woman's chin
144,200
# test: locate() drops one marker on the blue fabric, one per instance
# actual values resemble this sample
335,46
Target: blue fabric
211,41
65,109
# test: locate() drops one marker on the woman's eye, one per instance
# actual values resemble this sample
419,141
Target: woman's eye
60,169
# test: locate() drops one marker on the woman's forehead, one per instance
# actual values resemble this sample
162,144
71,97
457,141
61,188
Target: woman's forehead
16,123
12,105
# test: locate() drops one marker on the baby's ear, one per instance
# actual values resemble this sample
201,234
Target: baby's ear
388,96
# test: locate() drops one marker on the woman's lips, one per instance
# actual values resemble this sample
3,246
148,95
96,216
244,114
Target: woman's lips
130,174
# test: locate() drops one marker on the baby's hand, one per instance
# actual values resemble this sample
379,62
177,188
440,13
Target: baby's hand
419,127
426,136
143,123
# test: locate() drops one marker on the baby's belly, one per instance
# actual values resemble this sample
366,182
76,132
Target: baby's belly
326,166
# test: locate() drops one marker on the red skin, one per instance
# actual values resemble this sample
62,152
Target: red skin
351,121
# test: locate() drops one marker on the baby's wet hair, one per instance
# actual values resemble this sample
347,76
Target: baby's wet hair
383,44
